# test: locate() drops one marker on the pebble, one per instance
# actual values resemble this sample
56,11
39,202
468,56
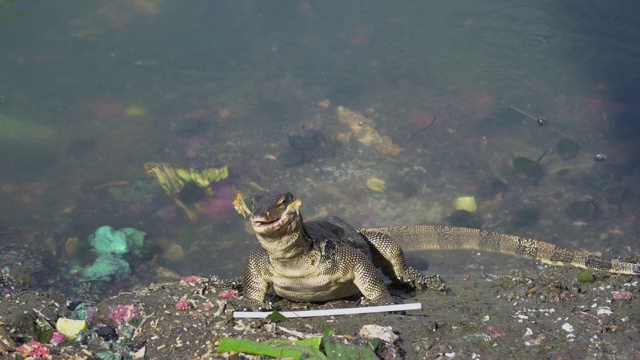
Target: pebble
567,327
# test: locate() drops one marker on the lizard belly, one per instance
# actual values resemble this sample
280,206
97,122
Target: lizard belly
313,288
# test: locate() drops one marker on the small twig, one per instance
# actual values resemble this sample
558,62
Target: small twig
523,113
138,329
423,129
542,156
112,183
541,121
41,314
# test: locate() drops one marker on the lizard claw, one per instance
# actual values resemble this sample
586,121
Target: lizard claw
434,282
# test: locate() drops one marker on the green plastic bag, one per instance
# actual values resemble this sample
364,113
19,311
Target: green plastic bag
107,240
105,268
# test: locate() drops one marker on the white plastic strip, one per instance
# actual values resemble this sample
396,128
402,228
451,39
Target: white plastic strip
329,312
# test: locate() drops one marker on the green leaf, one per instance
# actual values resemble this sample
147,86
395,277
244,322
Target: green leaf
43,329
374,343
585,276
307,348
338,350
276,316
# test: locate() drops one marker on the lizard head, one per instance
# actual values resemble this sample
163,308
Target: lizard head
275,214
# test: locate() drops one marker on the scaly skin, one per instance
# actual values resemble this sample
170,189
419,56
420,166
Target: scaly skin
326,258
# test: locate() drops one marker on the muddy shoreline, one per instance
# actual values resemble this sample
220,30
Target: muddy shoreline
540,313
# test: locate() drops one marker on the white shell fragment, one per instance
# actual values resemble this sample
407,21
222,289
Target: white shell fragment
376,331
604,310
567,327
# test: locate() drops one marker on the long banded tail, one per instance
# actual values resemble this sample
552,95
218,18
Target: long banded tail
438,237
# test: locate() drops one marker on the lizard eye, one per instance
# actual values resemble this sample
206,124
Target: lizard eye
281,200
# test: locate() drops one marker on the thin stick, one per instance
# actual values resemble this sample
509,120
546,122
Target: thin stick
329,312
537,119
523,113
542,156
423,129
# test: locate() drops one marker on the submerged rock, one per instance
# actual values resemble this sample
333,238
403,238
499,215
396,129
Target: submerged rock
579,210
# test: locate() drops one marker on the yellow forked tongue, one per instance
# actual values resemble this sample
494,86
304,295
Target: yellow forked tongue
295,205
241,207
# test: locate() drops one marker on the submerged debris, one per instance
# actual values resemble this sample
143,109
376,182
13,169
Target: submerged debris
362,130
467,203
174,180
376,185
111,245
599,157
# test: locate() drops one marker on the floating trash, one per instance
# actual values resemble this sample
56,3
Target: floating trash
112,245
599,157
174,180
467,203
107,240
541,121
70,328
106,268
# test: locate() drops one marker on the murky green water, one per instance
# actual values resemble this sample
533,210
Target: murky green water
94,90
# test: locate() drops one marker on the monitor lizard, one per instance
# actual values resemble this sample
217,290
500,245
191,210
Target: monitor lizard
326,258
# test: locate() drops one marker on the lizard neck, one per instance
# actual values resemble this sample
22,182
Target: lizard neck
292,244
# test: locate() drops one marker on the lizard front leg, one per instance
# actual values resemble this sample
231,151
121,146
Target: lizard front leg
393,263
255,281
366,278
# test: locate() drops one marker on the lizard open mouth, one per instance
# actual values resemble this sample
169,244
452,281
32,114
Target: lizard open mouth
262,225
269,224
